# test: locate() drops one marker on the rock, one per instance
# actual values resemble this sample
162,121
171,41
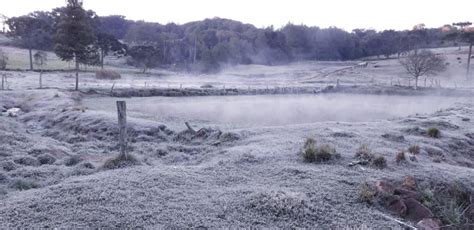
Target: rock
429,224
384,187
13,112
409,183
416,211
405,193
396,205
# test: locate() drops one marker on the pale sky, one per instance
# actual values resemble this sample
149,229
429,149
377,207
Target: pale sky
346,14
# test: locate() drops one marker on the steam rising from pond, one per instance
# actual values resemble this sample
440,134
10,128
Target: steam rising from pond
273,110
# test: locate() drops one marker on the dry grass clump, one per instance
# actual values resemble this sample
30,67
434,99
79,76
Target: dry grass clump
434,132
400,157
107,75
366,193
364,152
379,162
414,149
120,161
313,153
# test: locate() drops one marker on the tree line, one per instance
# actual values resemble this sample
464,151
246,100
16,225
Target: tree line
75,34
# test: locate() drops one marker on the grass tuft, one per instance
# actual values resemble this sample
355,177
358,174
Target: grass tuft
366,193
400,157
434,132
379,162
313,153
414,149
120,162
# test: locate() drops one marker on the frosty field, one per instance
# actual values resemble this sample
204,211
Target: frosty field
244,166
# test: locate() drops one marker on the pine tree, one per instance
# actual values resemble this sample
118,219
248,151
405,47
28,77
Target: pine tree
75,37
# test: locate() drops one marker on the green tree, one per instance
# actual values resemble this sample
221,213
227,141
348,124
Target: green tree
108,44
75,36
144,57
32,31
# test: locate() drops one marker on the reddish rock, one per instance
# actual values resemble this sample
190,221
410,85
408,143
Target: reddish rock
396,205
384,187
405,193
409,183
429,224
416,211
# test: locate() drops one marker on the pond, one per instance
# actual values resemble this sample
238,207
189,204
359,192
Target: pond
273,110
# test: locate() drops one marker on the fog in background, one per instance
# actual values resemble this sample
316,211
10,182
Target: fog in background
401,14
273,110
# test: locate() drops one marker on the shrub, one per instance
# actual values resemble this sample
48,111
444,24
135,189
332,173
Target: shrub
120,162
22,184
400,157
366,194
434,132
107,75
72,160
379,162
414,149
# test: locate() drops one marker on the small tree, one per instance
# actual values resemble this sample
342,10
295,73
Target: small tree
40,60
423,63
32,31
144,57
75,37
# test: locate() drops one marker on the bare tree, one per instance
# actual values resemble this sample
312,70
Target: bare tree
423,63
40,60
3,66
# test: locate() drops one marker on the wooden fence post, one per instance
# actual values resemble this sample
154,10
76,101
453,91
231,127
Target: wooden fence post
122,123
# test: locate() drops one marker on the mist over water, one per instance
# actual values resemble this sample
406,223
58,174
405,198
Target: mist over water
273,110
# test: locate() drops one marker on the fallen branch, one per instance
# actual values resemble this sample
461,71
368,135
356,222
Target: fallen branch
190,128
398,221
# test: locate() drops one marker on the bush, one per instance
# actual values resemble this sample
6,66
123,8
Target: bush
107,75
400,157
434,132
313,153
379,162
414,149
120,162
22,184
